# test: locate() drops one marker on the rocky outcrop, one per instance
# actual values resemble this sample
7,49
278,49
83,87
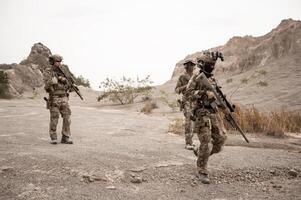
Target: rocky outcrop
263,71
244,53
26,76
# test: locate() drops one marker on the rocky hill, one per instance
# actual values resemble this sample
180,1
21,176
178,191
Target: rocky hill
262,71
25,76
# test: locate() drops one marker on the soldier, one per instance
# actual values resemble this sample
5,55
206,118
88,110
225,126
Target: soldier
185,104
208,124
58,88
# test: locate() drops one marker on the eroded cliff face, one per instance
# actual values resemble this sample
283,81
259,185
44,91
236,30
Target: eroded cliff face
262,71
28,75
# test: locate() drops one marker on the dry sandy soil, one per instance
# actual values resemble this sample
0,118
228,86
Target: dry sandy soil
119,153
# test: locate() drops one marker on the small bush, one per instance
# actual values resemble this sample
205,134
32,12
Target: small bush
148,107
80,80
176,126
275,123
262,72
244,81
230,80
126,90
262,83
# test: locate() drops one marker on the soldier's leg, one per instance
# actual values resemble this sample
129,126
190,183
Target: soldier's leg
66,113
219,135
203,129
66,125
54,117
203,126
188,127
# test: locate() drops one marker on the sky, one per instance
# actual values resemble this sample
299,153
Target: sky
116,38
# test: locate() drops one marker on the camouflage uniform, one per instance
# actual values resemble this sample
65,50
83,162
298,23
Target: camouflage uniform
58,100
208,124
186,105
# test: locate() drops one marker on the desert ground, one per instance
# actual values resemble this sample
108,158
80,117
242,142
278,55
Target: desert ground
120,153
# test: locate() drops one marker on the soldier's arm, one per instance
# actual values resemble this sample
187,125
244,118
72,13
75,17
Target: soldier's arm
190,87
193,88
180,87
68,73
49,80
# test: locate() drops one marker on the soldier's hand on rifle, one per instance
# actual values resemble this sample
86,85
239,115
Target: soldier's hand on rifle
62,79
210,95
54,81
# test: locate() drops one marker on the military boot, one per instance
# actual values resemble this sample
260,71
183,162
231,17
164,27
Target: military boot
189,146
204,178
53,141
195,151
66,140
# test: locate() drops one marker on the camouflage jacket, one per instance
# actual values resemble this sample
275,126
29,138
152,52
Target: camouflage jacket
196,91
182,81
52,85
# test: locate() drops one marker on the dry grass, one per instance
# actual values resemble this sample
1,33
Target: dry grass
176,126
262,83
148,107
276,123
262,72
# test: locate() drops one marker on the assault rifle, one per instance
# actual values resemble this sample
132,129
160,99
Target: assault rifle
221,101
71,82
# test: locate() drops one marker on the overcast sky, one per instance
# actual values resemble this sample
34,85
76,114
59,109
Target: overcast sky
112,38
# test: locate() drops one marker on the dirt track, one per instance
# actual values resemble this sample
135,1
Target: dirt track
121,154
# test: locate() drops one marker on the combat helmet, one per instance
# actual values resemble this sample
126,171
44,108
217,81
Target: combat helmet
207,60
187,62
55,57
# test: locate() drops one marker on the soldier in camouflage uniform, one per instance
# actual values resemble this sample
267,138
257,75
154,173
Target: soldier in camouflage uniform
58,88
185,103
208,124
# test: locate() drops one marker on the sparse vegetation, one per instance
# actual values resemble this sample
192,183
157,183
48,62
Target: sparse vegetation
3,85
80,80
244,81
262,72
276,123
262,83
230,80
173,104
125,90
176,126
148,107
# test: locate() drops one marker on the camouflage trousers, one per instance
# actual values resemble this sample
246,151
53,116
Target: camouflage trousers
212,135
187,110
59,105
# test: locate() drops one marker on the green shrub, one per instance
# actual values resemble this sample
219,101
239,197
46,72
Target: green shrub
80,80
125,90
